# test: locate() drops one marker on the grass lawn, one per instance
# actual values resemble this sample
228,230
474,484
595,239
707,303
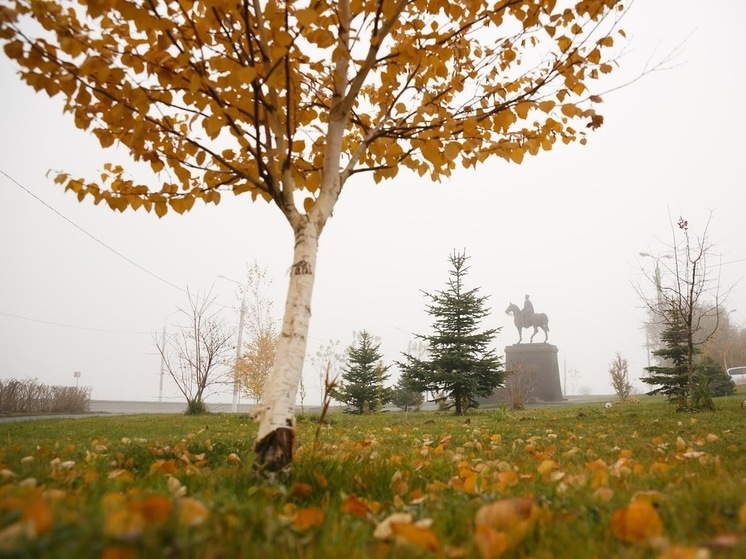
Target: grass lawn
572,481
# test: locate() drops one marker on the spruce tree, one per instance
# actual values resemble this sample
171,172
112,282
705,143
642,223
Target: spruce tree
720,382
363,376
671,377
459,362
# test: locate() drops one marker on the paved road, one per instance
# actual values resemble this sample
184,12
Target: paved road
115,407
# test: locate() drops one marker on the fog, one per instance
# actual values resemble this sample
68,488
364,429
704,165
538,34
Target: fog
86,289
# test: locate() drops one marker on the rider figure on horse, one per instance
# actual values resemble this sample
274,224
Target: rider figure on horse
528,312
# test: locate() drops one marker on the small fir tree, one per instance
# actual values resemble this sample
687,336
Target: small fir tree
363,377
459,363
405,398
671,377
720,382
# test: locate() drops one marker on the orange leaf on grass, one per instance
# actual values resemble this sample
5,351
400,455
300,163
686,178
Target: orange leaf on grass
419,536
124,524
353,505
320,479
490,542
155,509
301,490
742,515
514,516
37,517
308,518
118,552
636,523
681,552
192,512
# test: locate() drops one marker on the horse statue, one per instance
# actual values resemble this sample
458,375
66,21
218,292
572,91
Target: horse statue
538,320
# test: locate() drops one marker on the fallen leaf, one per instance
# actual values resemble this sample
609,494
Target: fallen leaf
155,509
353,505
37,518
124,524
636,523
726,540
192,512
301,490
118,552
417,535
308,518
490,542
384,531
681,552
514,516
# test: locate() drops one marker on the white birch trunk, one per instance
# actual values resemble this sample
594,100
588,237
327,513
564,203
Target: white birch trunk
276,414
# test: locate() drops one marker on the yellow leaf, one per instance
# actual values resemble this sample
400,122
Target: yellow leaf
353,505
452,150
564,43
14,49
521,109
546,106
37,517
636,523
490,542
742,515
570,110
514,516
308,204
155,509
301,490
419,536
118,552
192,512
320,479
681,552
124,524
516,155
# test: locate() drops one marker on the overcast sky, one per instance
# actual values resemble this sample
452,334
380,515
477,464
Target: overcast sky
565,227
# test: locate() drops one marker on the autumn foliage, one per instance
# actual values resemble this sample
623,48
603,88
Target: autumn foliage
240,96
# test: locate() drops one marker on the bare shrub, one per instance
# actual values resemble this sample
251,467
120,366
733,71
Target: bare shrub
29,396
619,373
519,388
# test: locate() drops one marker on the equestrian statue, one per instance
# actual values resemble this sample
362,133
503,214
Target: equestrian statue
527,318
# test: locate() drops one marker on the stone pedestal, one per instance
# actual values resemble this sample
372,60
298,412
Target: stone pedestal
539,360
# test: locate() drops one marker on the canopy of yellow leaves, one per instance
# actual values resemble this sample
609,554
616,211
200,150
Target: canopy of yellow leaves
269,97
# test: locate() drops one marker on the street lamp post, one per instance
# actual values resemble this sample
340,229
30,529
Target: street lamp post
163,355
658,292
241,315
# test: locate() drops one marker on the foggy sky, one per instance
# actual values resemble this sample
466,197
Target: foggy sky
565,227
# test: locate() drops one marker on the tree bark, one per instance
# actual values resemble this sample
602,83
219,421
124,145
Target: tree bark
276,416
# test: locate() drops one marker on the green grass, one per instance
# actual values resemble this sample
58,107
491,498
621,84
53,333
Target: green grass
110,486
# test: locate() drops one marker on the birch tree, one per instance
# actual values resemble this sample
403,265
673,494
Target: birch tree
286,100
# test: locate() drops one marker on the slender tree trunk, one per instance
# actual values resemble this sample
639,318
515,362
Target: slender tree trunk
274,441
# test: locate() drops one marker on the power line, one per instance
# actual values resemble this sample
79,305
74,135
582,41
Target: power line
103,244
72,325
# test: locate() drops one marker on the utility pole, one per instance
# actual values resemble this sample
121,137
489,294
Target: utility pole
241,314
236,391
163,363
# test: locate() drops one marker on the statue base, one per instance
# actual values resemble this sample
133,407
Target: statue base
540,361
536,376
